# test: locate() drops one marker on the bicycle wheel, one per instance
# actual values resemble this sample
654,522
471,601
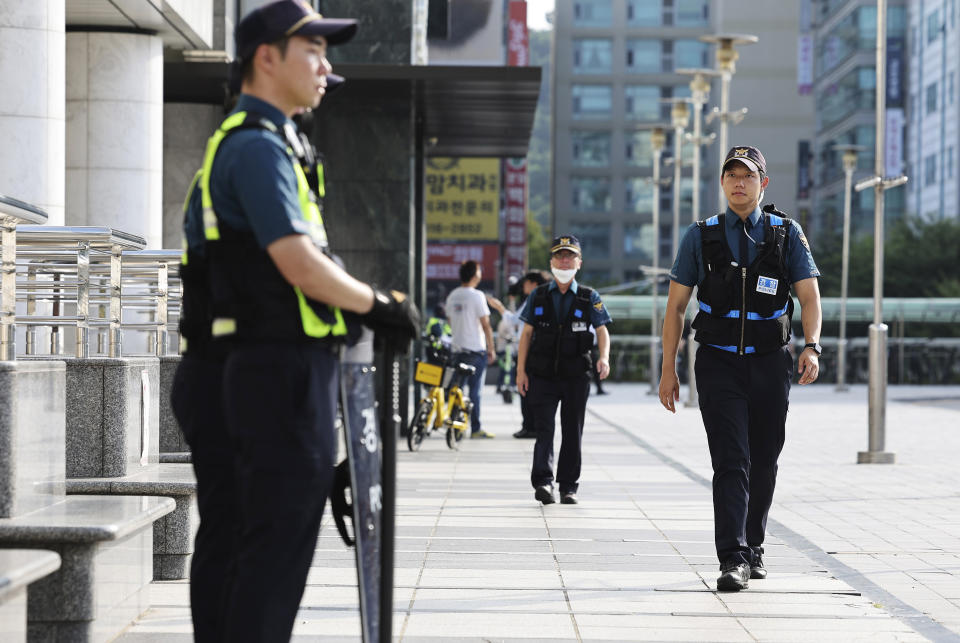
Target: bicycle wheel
455,435
420,425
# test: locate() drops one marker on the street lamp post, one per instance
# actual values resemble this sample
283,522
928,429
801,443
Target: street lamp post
727,65
679,117
657,140
877,392
849,165
699,91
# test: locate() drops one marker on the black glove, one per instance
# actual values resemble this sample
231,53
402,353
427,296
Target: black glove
393,319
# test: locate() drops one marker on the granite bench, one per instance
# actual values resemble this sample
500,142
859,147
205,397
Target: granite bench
105,547
173,535
19,568
105,543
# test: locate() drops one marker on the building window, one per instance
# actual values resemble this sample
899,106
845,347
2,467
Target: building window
643,56
639,195
857,32
952,75
591,101
638,151
690,53
643,102
854,91
590,149
594,239
592,13
933,25
644,13
591,194
692,13
592,55
638,241
929,170
931,98
950,162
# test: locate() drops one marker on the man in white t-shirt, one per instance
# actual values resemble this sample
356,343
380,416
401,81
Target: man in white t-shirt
472,342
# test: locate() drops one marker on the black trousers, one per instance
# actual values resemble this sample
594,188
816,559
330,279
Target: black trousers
195,398
270,447
743,401
543,396
527,423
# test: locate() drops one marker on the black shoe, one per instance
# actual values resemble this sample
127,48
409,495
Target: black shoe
733,577
568,498
544,494
523,433
757,570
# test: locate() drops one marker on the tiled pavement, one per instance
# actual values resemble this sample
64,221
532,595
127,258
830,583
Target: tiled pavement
855,552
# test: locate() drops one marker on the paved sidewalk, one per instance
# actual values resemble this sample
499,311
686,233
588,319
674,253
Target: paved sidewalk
855,552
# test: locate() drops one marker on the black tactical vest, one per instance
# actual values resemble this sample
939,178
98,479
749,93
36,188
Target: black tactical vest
560,350
236,291
745,309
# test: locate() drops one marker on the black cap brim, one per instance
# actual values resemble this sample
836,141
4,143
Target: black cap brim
337,31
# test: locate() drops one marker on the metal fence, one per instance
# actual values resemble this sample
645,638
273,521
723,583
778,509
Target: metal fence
83,291
911,360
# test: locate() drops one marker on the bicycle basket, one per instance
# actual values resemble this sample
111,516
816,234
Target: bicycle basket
429,374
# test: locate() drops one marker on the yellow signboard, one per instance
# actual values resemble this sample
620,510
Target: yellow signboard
462,199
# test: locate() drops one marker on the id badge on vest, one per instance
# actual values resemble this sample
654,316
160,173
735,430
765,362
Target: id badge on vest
767,285
578,326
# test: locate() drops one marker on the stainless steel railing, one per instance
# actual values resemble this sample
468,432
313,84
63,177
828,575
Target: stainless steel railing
151,291
13,212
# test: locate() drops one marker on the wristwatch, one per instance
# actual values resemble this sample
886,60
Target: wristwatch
817,348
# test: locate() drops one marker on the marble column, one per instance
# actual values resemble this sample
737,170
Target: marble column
114,113
32,103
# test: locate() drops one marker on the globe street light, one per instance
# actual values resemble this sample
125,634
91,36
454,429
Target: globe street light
699,91
727,56
679,117
849,165
657,139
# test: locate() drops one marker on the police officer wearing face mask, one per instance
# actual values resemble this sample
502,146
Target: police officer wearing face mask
553,367
743,262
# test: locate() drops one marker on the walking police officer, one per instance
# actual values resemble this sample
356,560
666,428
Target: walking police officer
743,262
265,308
553,367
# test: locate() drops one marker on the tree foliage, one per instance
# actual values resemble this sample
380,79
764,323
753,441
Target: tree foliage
921,259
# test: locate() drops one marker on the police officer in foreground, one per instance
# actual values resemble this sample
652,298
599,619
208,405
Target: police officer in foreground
743,262
553,367
266,309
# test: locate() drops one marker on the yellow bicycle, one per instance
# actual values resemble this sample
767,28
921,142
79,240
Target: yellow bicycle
443,406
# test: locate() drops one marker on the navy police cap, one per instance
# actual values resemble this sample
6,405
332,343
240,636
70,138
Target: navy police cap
565,242
287,18
749,156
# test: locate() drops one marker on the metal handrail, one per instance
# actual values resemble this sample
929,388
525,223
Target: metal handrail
13,213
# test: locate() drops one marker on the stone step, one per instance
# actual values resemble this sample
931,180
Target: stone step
105,547
178,457
19,568
174,533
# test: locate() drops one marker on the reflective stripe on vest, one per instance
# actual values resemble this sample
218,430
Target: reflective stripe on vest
313,326
735,314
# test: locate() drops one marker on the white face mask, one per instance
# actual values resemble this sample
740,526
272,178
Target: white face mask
564,276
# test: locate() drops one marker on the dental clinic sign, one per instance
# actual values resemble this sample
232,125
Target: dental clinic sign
515,169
